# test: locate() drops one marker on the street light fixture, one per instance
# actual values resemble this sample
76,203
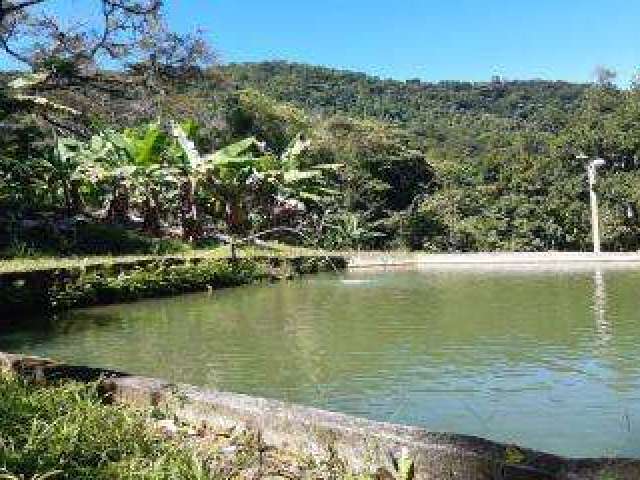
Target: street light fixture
595,221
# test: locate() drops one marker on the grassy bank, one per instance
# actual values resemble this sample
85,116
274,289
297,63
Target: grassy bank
30,264
67,432
59,284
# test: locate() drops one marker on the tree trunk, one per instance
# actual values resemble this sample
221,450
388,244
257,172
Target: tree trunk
77,203
67,198
73,202
152,214
119,207
191,228
235,218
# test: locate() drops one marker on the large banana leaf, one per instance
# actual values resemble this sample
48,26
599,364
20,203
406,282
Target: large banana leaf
237,149
333,167
146,148
290,159
190,128
314,193
233,162
194,159
294,176
68,148
28,80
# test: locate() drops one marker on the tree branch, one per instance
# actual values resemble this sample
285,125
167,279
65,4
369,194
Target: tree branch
107,11
135,9
18,56
16,7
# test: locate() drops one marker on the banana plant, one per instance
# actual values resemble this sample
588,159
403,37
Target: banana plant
64,161
133,165
19,88
192,172
236,179
244,179
101,164
306,185
149,152
351,231
223,174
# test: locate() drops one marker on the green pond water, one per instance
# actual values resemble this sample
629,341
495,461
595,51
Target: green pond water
546,359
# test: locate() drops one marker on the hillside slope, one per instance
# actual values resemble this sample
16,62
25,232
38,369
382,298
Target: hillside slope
335,91
504,154
450,166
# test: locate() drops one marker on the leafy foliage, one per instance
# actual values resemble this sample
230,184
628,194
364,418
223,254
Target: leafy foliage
451,166
472,166
67,433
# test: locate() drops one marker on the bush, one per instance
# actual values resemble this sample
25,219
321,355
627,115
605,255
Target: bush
116,240
155,280
54,286
70,431
84,239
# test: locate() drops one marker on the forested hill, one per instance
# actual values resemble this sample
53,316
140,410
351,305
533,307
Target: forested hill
450,166
504,155
335,91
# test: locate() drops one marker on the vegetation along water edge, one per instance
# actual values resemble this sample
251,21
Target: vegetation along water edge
80,422
53,286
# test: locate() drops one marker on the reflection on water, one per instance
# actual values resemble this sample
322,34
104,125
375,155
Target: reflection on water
544,358
600,308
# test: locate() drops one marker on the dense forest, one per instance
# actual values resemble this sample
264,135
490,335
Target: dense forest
326,158
502,155
319,89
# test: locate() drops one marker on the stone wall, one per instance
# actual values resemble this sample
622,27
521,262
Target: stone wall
360,446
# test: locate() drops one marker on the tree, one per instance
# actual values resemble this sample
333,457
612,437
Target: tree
604,76
66,56
67,49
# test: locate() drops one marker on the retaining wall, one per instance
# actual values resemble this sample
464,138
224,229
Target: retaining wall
361,446
497,259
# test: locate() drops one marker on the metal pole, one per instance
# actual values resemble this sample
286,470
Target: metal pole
595,222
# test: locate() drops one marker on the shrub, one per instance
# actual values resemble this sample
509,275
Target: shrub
117,240
70,431
158,279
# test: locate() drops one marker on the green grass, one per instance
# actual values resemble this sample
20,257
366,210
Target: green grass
47,263
65,431
68,433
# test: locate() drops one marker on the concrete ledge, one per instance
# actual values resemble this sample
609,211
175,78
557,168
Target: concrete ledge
382,259
359,445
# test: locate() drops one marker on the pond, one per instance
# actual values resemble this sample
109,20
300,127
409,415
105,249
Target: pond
543,358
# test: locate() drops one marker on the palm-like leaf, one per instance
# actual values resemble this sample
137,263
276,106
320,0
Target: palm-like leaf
238,149
296,176
30,80
194,159
290,159
146,148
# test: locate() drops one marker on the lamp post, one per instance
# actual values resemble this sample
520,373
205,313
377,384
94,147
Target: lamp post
595,221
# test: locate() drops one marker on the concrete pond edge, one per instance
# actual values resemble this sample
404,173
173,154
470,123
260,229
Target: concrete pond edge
360,446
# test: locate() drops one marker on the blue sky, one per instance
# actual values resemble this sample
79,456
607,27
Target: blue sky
427,39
